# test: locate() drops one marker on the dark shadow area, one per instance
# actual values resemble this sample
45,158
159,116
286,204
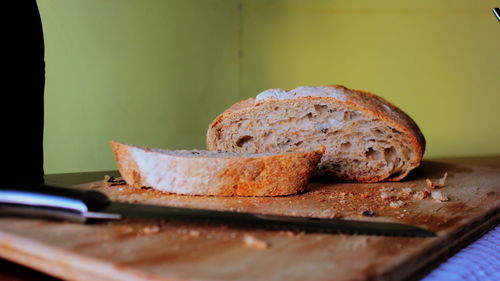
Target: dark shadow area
431,169
13,272
67,179
22,82
435,169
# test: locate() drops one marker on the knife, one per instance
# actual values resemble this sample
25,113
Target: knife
496,11
84,205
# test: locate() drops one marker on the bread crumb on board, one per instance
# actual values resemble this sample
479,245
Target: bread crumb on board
254,242
193,233
112,181
407,190
438,183
357,242
421,195
288,233
439,196
397,204
124,229
397,196
384,195
149,230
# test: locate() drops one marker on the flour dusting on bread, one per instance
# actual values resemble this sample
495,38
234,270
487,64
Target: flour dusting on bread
303,91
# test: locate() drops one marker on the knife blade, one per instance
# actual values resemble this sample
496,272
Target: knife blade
83,205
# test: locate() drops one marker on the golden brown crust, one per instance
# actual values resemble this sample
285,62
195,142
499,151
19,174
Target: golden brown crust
241,104
397,117
273,175
127,166
357,99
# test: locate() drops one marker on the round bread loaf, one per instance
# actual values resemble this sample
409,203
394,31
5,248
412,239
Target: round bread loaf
201,172
367,139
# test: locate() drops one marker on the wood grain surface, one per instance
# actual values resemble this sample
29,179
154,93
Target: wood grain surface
165,250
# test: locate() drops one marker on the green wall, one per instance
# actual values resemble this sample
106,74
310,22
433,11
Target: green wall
143,72
156,72
437,60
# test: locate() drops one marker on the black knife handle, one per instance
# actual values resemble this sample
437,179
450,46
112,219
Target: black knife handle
496,11
50,201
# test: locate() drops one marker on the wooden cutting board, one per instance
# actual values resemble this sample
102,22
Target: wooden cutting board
162,250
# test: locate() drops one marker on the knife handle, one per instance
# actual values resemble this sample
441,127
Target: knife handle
496,11
50,201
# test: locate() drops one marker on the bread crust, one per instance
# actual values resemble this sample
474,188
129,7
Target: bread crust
272,175
364,101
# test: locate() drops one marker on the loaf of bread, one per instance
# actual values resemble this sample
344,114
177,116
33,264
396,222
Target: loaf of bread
367,139
199,172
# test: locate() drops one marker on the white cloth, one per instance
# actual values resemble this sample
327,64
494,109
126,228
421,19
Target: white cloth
480,261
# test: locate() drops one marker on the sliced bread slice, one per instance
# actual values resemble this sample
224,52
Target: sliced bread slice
367,139
201,172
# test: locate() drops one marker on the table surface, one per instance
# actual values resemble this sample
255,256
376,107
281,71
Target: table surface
13,272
